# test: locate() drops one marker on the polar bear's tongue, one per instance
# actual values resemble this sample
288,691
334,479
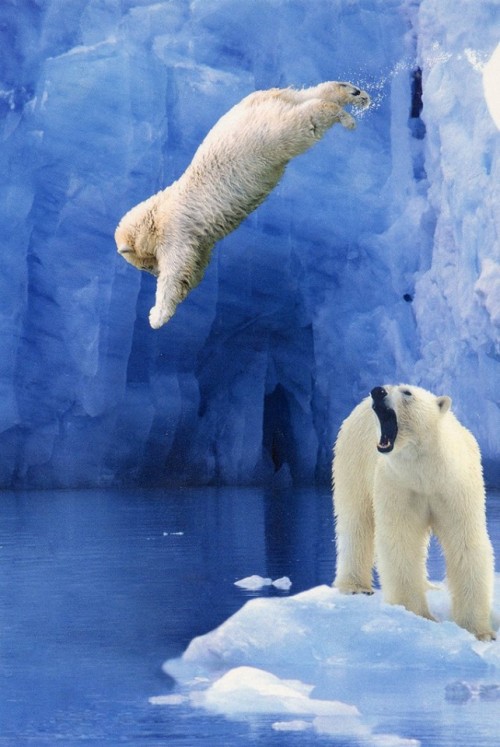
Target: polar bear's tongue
388,427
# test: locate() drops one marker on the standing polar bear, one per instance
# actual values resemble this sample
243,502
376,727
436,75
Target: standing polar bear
238,164
409,469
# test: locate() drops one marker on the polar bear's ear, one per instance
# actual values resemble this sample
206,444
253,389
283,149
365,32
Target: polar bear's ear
444,404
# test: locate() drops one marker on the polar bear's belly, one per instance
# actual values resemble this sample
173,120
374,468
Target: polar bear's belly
218,212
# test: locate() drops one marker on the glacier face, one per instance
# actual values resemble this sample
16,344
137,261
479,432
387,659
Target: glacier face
375,260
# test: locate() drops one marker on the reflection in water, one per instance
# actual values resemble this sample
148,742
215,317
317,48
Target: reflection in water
99,588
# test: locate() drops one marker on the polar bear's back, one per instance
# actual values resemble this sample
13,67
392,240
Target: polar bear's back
261,126
244,156
255,140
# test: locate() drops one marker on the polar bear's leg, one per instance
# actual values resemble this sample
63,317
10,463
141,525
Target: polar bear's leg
298,128
354,535
401,545
319,115
304,125
469,572
352,475
172,285
180,270
324,114
166,301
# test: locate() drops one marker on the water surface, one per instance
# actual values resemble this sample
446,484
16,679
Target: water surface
99,588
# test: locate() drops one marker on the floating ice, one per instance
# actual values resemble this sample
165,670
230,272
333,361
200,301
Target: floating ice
250,690
294,725
282,583
323,659
168,700
255,582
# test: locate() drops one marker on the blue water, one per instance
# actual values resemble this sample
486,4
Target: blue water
99,588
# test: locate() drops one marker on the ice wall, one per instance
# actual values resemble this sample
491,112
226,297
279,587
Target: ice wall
374,260
457,299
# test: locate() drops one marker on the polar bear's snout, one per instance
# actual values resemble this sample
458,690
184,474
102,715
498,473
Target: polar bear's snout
355,96
364,99
147,264
378,394
387,420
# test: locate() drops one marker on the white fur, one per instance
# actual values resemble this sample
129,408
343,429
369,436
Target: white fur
386,505
237,165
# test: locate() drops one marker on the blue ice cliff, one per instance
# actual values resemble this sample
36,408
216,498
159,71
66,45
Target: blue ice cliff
377,258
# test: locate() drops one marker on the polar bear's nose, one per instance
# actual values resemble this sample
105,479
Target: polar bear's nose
378,393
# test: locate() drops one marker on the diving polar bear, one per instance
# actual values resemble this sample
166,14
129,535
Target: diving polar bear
241,160
409,469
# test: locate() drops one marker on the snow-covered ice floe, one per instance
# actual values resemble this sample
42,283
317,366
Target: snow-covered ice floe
319,661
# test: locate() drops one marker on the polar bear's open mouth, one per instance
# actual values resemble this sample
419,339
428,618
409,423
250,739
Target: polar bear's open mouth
388,429
386,444
387,419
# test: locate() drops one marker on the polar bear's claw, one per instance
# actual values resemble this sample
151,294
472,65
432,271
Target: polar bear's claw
366,592
352,588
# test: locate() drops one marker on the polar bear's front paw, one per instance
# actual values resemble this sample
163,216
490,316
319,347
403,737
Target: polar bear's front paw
158,317
347,121
353,587
489,635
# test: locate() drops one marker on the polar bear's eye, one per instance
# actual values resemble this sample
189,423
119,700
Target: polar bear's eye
406,392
